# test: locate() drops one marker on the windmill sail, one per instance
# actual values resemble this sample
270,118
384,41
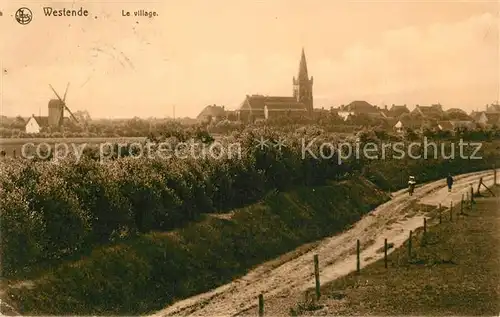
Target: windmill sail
71,113
65,92
55,92
63,101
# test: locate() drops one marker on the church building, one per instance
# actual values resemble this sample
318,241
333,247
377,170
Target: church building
258,107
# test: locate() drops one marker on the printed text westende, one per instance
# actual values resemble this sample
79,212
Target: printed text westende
49,11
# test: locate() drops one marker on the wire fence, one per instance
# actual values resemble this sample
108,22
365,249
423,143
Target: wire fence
467,202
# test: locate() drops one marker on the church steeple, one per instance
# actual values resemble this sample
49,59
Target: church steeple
303,67
302,85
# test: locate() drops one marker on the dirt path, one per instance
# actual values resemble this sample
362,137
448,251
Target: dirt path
392,220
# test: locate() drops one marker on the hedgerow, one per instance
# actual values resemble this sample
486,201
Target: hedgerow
138,276
56,210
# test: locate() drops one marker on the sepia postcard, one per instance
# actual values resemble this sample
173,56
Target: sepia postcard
249,158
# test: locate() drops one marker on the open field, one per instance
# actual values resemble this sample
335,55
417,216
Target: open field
9,145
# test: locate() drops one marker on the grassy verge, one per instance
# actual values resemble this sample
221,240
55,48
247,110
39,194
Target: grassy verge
455,270
148,273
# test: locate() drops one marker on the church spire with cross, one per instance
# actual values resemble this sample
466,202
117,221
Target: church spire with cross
302,85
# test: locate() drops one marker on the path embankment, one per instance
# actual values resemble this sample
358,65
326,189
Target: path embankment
453,270
283,285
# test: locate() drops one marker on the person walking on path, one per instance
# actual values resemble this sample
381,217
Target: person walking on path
449,181
411,185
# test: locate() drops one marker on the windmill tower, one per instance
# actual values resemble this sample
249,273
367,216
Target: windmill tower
56,109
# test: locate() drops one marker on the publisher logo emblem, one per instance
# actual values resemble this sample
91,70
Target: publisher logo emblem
24,15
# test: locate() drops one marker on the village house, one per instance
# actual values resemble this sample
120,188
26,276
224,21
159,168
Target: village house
388,123
36,123
487,119
385,112
463,124
446,126
397,111
358,107
493,108
434,111
452,125
212,113
407,123
419,125
259,107
231,115
476,116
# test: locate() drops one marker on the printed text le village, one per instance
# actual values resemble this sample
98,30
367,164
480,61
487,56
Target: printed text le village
140,13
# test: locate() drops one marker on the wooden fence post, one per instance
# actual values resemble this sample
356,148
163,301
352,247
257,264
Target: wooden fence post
385,253
462,205
316,276
358,262
440,215
494,175
471,196
479,186
451,210
261,305
409,247
424,236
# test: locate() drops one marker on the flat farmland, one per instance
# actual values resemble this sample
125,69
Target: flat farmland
14,145
9,145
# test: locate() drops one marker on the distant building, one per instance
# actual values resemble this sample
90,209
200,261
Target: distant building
36,123
231,115
385,112
408,123
458,110
358,107
56,113
258,107
434,111
493,108
485,119
446,126
212,113
397,111
416,124
452,125
463,124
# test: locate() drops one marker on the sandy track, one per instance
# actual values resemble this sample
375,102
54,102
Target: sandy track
392,220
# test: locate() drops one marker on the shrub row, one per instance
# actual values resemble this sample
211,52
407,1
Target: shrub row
52,211
155,269
58,209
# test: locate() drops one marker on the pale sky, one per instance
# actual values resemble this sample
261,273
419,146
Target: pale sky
203,52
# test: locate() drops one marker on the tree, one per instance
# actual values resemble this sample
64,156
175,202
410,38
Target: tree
18,123
83,116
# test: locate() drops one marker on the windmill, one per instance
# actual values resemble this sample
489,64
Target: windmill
56,109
